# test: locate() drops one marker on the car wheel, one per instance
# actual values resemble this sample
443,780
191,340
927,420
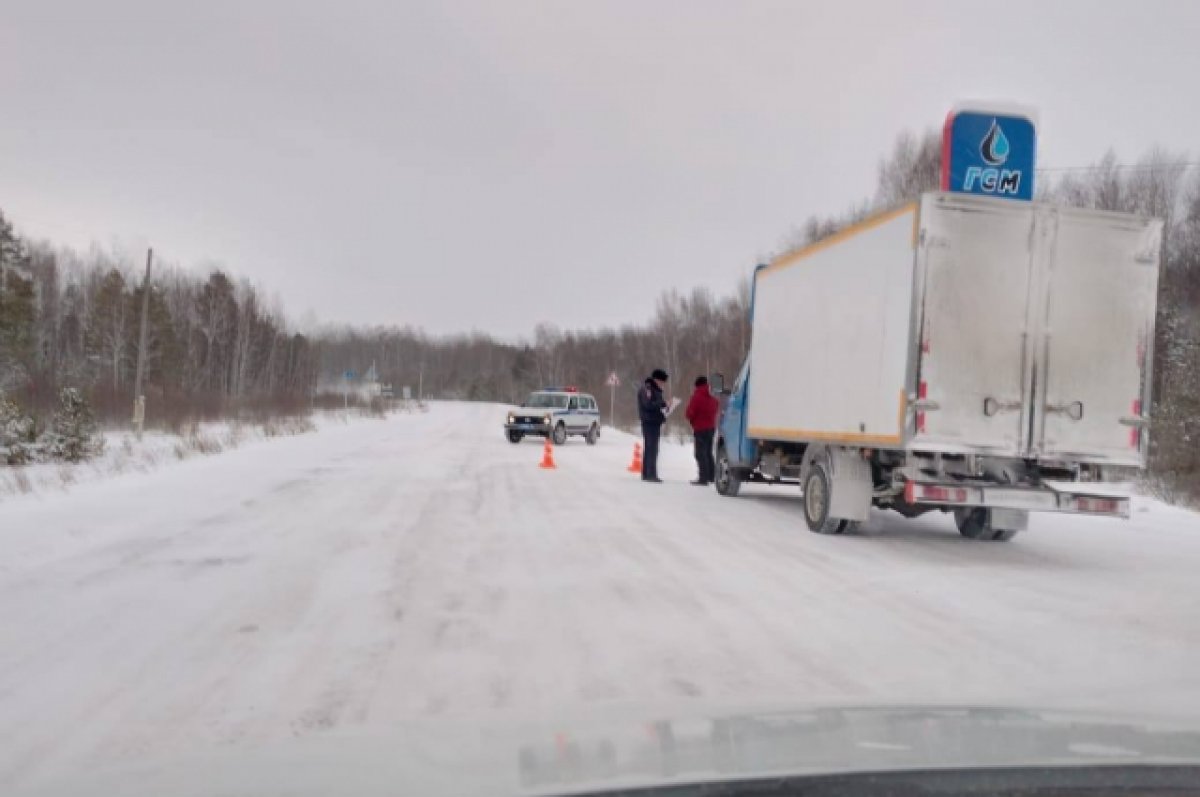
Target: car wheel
593,435
560,435
514,436
816,502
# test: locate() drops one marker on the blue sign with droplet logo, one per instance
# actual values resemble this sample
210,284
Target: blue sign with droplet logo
990,154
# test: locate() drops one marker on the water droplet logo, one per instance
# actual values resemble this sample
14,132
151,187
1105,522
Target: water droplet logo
994,147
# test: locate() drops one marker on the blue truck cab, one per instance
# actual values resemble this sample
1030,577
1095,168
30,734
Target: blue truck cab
736,452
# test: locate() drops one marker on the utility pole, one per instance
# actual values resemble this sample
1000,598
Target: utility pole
139,400
421,383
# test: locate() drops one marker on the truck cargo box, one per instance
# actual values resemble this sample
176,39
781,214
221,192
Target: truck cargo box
962,324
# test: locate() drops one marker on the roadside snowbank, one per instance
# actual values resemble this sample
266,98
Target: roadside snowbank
124,453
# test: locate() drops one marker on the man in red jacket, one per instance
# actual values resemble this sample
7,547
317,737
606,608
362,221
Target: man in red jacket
702,415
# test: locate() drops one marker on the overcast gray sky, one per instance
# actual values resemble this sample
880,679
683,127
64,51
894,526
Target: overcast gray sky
494,164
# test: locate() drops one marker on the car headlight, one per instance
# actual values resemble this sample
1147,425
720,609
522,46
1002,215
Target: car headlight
511,419
546,419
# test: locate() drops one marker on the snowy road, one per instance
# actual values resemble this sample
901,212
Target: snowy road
422,568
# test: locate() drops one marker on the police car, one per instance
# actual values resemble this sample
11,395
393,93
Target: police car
557,413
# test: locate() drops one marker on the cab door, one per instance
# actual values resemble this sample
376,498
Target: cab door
741,449
591,412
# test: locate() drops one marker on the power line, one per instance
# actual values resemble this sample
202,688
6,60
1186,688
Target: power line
1121,166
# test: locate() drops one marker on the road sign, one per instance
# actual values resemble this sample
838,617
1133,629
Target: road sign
407,392
349,374
613,380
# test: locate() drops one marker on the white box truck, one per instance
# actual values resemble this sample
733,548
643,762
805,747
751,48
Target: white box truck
960,353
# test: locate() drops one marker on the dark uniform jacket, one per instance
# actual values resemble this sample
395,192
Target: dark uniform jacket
651,403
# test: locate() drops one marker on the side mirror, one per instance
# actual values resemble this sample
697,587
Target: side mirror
717,383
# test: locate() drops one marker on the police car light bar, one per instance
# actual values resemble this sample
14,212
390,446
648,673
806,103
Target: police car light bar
570,389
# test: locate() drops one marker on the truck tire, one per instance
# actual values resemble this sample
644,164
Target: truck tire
593,435
514,436
560,434
816,502
976,524
728,480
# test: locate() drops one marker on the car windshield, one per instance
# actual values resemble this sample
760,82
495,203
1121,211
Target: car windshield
493,396
555,401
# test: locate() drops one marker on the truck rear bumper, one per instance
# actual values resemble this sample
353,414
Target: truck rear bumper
1059,497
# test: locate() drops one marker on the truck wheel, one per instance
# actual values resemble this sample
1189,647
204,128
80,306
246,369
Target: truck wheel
514,436
728,480
816,502
593,435
976,524
560,434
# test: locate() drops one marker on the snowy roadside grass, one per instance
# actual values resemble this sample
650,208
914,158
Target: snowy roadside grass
1174,489
124,453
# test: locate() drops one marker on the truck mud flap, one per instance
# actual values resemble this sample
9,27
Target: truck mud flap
851,489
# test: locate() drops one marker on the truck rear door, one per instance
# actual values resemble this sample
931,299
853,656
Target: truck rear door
1035,330
974,265
1093,375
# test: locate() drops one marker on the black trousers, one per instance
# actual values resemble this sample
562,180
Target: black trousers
650,433
704,455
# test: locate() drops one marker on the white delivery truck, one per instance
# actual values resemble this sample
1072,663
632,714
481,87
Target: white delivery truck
961,353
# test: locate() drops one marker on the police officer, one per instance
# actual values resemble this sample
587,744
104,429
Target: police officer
652,409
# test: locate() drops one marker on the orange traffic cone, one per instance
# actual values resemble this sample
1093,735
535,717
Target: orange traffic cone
636,465
547,456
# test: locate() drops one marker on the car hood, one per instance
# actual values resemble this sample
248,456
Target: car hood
450,758
531,412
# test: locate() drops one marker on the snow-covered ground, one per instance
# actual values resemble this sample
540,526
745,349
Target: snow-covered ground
423,572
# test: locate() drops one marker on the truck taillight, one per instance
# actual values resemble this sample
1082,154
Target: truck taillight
1100,506
955,495
922,394
915,492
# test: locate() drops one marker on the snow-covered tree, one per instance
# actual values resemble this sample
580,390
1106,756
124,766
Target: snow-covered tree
17,308
76,436
17,433
111,332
